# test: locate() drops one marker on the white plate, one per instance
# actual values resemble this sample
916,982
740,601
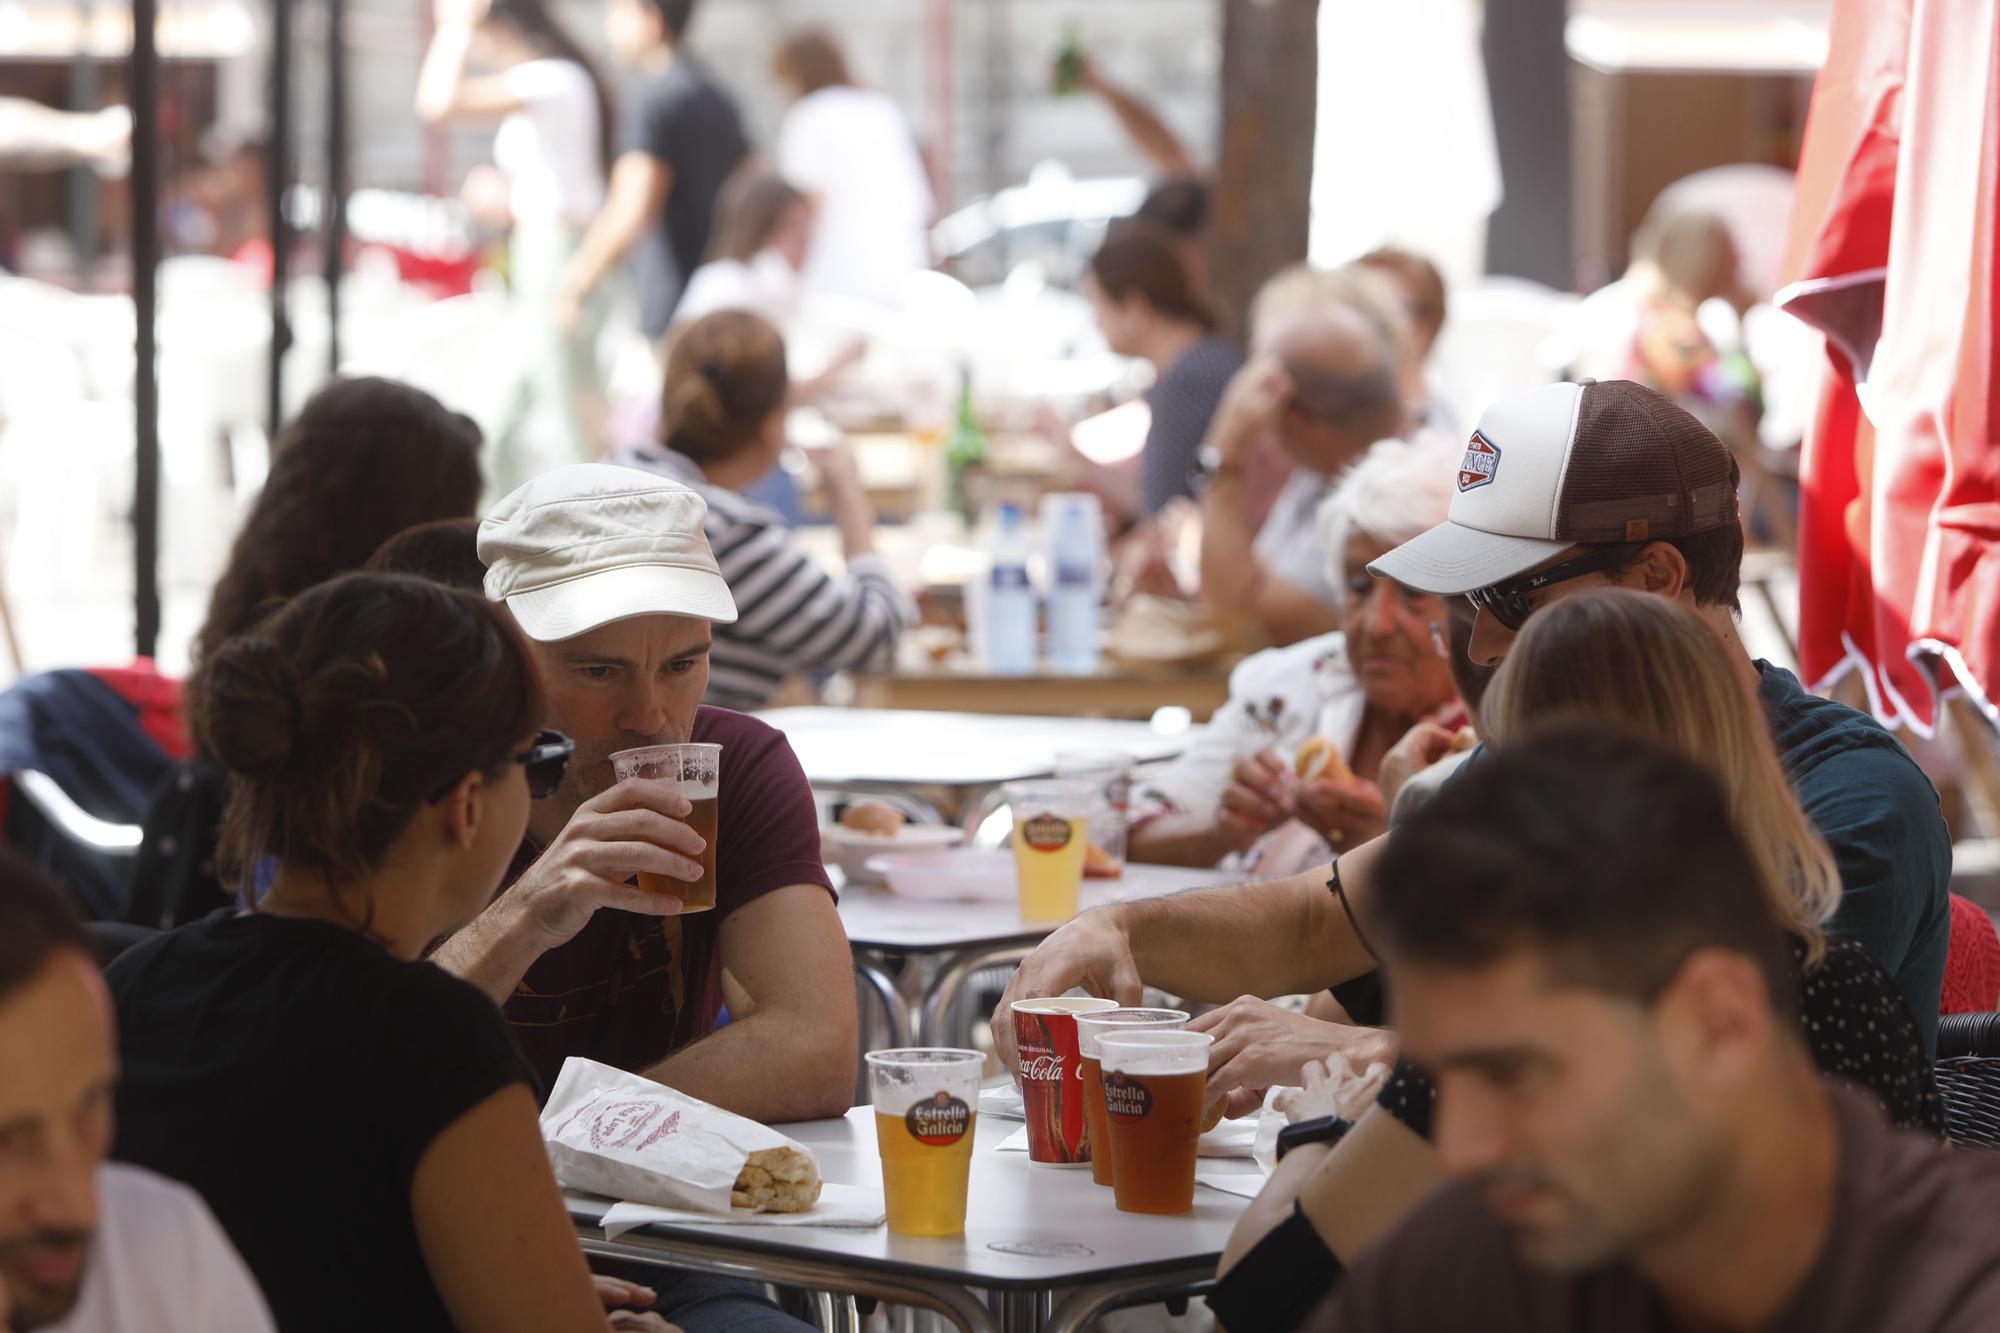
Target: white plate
963,875
852,850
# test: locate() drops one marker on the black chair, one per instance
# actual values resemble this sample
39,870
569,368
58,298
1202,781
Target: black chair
1968,1078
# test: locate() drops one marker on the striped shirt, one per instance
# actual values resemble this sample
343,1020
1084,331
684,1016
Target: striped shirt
791,615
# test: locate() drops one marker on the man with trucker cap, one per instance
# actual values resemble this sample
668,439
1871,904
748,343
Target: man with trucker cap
1562,487
608,574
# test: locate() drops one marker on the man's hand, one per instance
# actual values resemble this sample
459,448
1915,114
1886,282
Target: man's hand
634,826
1259,797
566,311
1346,812
1091,952
615,1291
460,13
1421,746
1249,408
1260,1045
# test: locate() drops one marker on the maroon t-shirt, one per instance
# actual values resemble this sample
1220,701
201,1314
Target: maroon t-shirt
630,990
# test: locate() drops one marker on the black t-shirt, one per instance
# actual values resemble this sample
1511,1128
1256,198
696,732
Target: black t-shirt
683,118
293,1073
1912,1249
1183,403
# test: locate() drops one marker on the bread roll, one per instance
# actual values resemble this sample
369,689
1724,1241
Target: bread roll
777,1180
1320,758
873,818
1097,863
1214,1115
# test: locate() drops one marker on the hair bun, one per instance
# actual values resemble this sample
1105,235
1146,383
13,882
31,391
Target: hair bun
254,712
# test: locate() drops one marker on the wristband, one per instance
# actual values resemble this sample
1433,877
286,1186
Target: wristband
1327,1129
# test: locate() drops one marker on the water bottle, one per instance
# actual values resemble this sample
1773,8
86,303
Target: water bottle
1073,527
1010,598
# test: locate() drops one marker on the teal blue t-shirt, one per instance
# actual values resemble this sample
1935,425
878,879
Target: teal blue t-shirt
1879,814
1880,817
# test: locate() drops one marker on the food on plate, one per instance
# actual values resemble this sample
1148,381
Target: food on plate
1098,863
777,1180
873,818
1320,758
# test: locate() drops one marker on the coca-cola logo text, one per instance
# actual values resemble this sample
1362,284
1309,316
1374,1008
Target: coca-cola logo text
1043,1069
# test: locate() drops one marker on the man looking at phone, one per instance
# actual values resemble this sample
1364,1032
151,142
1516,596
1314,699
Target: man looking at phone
607,572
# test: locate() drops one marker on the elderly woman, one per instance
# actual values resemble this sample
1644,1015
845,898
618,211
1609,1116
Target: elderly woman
1333,706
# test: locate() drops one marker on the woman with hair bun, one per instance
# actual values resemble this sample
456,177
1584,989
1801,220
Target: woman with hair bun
722,429
360,1121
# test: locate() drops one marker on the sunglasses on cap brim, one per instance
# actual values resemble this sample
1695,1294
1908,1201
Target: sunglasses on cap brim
545,760
1508,601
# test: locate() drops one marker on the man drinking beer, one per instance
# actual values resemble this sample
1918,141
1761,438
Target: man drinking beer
607,572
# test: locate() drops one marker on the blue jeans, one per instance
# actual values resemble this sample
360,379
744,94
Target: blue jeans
702,1303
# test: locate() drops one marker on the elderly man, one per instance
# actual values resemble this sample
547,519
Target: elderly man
86,1245
607,572
1323,384
1561,488
1637,1135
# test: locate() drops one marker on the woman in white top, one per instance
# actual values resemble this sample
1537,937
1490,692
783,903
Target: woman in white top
853,153
553,144
763,233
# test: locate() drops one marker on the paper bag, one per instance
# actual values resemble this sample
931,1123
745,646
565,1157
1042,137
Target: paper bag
626,1137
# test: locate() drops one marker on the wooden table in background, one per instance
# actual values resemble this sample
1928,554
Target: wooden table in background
1112,691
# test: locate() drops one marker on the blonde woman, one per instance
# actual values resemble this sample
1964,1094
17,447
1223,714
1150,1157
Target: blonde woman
1626,660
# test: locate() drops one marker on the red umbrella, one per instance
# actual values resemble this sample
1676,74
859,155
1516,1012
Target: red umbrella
1892,256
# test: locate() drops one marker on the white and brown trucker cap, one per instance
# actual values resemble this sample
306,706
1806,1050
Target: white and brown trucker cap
1595,463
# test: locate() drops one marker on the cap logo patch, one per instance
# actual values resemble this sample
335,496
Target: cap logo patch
1480,465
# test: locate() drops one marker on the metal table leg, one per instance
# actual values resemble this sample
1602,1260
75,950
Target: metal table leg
953,1302
895,1006
1083,1306
953,969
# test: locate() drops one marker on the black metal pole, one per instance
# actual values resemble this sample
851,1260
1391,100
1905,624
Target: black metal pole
278,168
82,181
336,173
145,93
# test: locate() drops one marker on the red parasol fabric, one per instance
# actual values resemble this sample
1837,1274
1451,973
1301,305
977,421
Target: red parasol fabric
1892,257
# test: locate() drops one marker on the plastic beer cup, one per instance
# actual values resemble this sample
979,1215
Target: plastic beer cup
1051,831
692,769
926,1106
1155,1094
1089,1029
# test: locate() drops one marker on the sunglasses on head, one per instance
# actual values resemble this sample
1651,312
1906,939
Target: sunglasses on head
546,760
1507,601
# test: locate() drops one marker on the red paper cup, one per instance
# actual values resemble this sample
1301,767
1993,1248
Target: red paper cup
1052,1077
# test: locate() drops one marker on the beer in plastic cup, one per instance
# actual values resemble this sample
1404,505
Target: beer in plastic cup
926,1106
1089,1029
1051,830
1110,773
1052,1077
1155,1096
691,769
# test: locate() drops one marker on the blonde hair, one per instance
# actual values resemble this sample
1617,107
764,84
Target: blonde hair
1303,289
725,377
1634,658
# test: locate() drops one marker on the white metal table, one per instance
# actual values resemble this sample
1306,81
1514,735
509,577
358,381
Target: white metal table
1045,1245
943,943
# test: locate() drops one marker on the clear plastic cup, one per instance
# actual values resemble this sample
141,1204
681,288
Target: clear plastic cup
1051,831
926,1107
692,769
1155,1098
1110,772
1089,1028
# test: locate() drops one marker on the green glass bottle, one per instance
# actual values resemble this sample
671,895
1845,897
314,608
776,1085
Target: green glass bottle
967,448
1069,61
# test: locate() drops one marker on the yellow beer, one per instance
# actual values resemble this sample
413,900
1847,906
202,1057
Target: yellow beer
926,1107
924,1183
1051,832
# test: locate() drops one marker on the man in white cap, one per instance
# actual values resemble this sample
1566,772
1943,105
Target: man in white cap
1564,487
607,572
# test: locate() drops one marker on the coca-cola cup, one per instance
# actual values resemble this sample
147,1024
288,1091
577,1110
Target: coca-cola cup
1052,1077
